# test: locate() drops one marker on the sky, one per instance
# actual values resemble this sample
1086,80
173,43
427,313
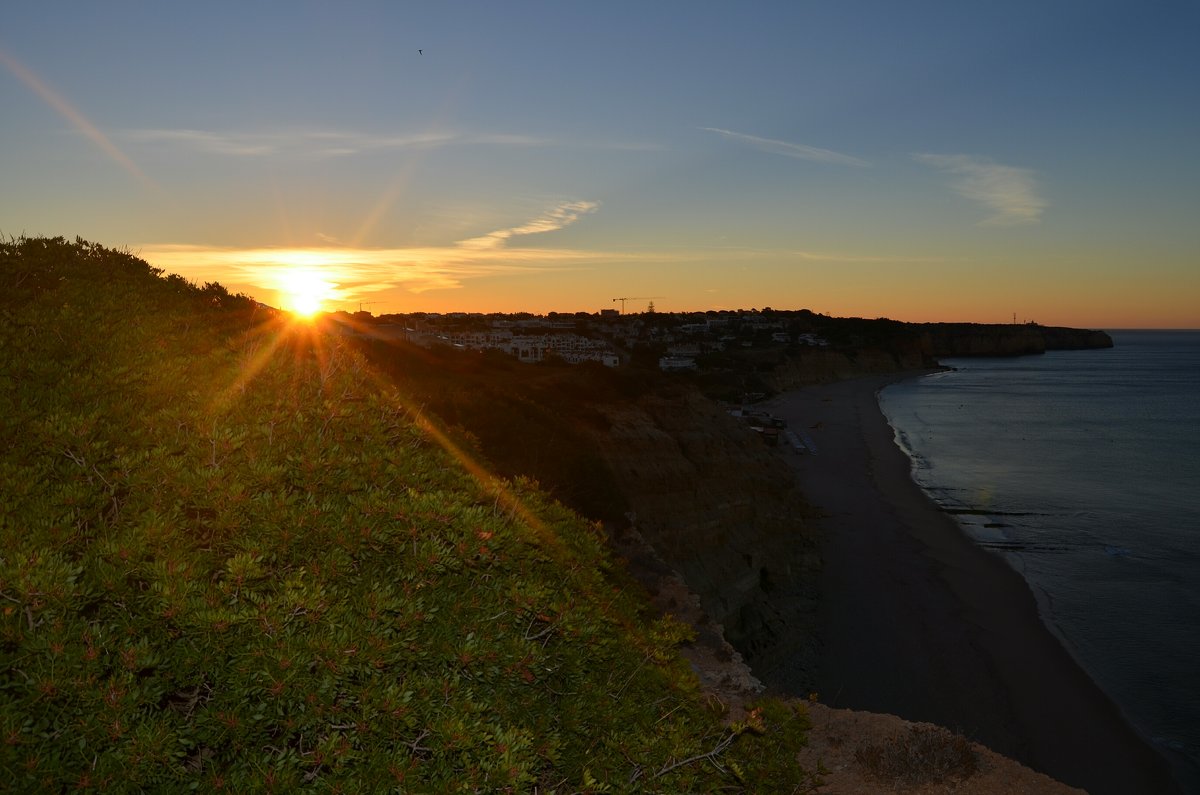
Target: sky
923,161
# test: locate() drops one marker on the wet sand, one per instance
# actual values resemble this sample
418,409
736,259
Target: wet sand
919,622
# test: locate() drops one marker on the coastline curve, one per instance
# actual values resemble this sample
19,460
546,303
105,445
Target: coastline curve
920,621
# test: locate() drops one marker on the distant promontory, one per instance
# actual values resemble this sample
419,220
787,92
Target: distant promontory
977,339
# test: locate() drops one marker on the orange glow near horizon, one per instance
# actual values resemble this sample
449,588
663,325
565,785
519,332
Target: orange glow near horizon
457,278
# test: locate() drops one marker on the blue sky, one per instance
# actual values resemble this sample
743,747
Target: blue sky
921,160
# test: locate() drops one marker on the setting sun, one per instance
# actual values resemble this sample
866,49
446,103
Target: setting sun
305,291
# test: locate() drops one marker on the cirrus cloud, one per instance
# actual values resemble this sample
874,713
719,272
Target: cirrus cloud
556,218
1011,193
787,149
314,143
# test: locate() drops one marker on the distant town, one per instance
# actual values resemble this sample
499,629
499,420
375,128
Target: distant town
610,337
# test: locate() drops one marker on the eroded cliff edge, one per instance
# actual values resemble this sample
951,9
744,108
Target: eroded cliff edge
719,507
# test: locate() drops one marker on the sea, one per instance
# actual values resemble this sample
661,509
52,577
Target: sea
1082,469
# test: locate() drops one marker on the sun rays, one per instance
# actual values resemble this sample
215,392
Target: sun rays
284,334
305,290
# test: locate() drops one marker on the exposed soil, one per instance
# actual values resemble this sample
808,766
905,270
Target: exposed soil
839,738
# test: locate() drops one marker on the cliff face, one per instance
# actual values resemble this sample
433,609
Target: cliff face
923,346
725,511
972,339
825,365
720,508
1071,339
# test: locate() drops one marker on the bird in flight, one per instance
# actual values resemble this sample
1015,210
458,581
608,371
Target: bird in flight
420,52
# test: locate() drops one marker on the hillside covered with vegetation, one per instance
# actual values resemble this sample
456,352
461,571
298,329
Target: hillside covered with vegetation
232,557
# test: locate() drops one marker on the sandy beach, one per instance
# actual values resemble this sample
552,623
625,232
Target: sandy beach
919,622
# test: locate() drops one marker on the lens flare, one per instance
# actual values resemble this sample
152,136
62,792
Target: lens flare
305,291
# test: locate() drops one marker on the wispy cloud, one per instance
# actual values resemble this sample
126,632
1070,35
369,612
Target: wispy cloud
210,142
865,259
1011,193
343,143
75,117
553,219
787,149
746,253
318,143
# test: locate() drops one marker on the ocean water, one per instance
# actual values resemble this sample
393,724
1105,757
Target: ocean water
1082,469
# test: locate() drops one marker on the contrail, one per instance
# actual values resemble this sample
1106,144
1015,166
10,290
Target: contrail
77,119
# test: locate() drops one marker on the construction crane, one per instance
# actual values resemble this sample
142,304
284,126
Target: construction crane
635,298
361,304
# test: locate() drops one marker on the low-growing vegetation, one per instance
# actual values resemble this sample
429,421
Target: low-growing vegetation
232,558
919,756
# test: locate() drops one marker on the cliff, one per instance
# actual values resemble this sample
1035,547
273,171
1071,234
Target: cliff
919,346
974,339
713,504
719,507
809,366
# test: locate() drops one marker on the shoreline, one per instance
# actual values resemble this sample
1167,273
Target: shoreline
919,621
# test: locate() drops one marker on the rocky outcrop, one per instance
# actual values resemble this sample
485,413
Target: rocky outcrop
720,508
